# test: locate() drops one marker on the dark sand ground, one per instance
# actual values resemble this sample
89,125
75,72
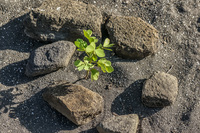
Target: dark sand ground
22,109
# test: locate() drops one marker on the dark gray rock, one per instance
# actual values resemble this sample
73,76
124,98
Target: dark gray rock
134,38
77,103
63,20
119,124
49,58
160,90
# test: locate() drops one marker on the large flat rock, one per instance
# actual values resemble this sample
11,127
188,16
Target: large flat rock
63,20
77,103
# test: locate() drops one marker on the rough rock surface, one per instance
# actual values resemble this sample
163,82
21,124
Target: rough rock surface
77,103
119,124
49,58
134,38
160,90
62,20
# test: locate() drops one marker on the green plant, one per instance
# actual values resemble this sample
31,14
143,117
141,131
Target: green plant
95,55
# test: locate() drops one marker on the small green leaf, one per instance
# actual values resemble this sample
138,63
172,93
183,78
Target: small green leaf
81,67
100,46
102,67
110,45
102,60
79,40
93,44
107,49
90,48
100,52
107,63
77,43
86,59
86,34
91,65
106,42
78,63
94,58
109,69
80,50
84,44
87,67
94,39
91,40
89,32
80,44
94,74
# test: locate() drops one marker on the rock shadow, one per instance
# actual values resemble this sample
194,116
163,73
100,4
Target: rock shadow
14,74
6,99
93,130
118,77
116,58
12,36
129,102
38,117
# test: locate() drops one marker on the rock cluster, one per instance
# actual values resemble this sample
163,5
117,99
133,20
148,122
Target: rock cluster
65,20
59,20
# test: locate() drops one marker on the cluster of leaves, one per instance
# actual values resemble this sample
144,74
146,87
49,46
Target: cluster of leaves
95,55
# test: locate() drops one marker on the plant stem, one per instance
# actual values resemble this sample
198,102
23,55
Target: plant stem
87,74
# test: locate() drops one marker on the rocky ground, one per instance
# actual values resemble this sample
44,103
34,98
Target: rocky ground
23,110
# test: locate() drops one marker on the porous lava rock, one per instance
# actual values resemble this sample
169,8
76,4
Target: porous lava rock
134,38
49,58
160,90
63,20
119,124
77,103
